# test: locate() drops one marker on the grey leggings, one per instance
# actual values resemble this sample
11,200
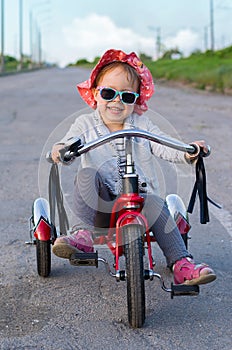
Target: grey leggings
93,203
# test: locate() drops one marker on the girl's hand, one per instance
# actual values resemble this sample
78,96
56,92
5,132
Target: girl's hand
55,152
201,144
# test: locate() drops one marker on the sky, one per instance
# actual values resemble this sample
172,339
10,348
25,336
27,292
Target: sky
74,29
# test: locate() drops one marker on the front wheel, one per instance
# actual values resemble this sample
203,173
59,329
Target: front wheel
43,254
133,250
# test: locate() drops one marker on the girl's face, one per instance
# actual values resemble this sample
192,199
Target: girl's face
115,112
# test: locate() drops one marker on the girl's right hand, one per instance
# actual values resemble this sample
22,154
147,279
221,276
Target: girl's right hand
56,152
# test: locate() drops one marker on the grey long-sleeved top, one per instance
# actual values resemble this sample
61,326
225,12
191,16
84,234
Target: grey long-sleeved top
105,158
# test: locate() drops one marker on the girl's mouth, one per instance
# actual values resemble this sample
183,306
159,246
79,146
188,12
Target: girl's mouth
115,109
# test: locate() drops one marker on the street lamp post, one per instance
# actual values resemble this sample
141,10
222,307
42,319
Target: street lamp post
40,48
36,33
31,39
158,40
212,24
2,36
20,34
206,38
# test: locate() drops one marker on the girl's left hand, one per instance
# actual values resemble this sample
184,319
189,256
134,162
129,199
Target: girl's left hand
203,145
191,158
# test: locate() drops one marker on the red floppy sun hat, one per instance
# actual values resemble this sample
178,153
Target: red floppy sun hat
146,81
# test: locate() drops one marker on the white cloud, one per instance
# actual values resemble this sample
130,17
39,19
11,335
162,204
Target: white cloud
185,40
90,36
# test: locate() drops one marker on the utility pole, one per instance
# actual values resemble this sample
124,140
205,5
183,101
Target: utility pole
2,36
40,48
31,38
212,24
36,33
206,38
20,34
158,42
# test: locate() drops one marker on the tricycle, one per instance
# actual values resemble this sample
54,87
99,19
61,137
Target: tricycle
128,234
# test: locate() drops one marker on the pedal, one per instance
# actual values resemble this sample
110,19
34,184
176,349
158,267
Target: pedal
84,259
181,289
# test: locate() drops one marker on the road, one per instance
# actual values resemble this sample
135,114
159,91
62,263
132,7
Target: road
85,308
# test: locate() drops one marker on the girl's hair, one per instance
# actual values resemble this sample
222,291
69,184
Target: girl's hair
132,75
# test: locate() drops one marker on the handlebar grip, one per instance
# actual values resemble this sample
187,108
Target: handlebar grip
208,153
193,155
198,151
49,157
66,156
68,152
70,149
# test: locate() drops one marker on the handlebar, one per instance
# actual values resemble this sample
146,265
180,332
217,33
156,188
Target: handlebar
75,148
138,133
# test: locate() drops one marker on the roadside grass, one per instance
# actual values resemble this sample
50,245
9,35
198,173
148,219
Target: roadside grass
211,71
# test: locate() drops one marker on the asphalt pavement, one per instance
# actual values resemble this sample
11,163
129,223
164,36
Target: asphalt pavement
85,308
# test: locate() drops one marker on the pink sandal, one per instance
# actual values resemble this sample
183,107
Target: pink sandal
77,242
187,272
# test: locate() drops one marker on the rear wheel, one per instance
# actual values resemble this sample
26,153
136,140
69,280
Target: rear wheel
133,250
43,254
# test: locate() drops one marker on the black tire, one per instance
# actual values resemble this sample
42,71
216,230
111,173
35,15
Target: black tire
43,254
133,250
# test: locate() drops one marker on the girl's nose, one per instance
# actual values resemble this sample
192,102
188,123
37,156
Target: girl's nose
117,98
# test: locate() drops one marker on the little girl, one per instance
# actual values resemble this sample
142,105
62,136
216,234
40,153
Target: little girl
117,90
